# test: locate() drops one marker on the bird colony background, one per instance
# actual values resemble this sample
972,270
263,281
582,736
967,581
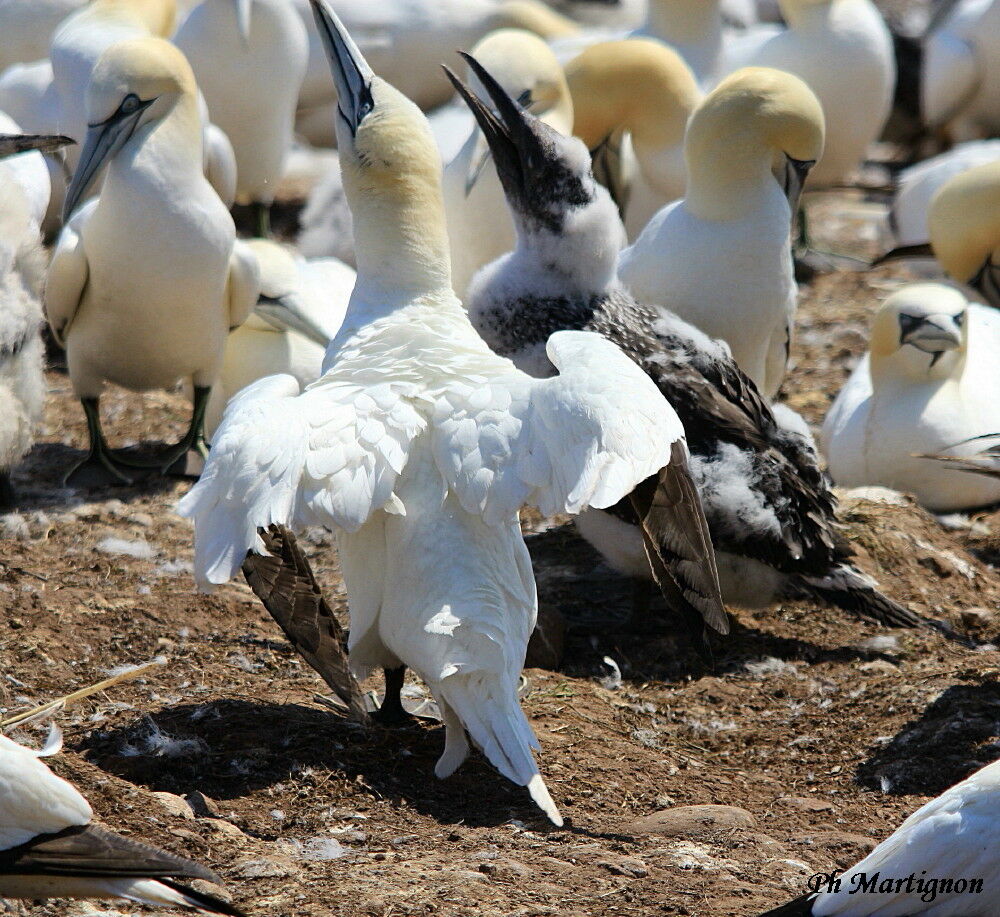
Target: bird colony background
817,733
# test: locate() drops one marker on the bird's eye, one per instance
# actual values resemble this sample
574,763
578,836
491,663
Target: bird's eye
129,104
960,319
524,99
365,104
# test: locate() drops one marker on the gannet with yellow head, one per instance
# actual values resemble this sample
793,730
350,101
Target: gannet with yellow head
919,391
144,284
479,227
720,258
420,446
249,57
50,847
22,353
644,89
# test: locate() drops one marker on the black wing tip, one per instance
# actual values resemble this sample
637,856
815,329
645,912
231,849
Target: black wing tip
203,901
797,907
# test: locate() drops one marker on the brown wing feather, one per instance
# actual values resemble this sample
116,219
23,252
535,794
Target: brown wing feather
283,580
678,542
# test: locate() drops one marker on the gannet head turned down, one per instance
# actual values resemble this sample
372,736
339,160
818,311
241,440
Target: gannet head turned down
547,180
964,225
391,170
920,333
135,83
755,119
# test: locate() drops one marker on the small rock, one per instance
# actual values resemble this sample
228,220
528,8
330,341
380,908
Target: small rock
262,869
693,821
977,617
226,829
882,666
805,803
626,866
202,805
545,648
175,805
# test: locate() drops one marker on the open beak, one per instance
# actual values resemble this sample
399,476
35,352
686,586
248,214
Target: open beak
932,334
243,11
351,74
796,172
510,133
103,140
987,282
12,144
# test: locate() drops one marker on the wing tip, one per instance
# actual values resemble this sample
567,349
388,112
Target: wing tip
543,799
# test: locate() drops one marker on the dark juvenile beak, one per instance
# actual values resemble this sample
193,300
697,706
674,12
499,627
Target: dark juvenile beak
796,173
103,140
351,74
12,144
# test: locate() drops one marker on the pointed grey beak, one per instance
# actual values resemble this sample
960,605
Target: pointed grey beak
12,144
795,174
243,10
932,334
288,313
103,140
351,74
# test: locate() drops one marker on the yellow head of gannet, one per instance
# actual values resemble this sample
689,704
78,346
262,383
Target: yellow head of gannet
920,333
134,86
964,224
533,17
756,120
159,16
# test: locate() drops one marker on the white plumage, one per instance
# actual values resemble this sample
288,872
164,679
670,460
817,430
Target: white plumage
420,446
27,27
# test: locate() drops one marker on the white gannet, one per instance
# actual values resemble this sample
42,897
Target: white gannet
608,14
479,226
917,186
694,29
22,267
842,49
941,862
301,307
27,27
644,88
919,391
420,446
50,847
145,284
720,258
770,513
406,40
249,58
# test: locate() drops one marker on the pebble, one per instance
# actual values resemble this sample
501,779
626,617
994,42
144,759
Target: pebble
269,868
977,617
202,805
693,821
626,866
175,805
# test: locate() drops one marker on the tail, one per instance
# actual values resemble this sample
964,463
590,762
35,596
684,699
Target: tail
799,907
502,733
851,590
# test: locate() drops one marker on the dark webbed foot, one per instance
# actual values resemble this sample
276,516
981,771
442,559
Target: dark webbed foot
392,714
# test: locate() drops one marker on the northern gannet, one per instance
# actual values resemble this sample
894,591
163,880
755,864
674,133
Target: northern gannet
720,258
302,305
641,88
406,40
145,283
843,51
249,58
694,29
27,27
479,226
941,862
770,513
50,847
22,353
919,391
420,446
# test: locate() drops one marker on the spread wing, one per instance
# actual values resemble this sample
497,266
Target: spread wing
68,274
327,456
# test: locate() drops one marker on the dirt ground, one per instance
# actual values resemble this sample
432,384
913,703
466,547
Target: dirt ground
822,732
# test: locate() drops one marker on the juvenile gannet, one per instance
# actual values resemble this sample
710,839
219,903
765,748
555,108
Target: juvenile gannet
420,446
479,226
145,284
249,58
770,513
301,307
22,353
644,88
919,391
941,862
720,258
27,27
50,847
842,49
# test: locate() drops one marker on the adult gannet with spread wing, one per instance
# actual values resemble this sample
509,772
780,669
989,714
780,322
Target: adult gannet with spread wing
420,446
770,513
950,841
249,57
720,257
22,353
920,390
145,283
50,848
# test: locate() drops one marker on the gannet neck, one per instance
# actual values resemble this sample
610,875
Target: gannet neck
808,14
684,21
159,17
534,17
638,85
964,222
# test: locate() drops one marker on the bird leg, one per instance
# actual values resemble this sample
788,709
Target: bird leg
392,712
262,214
99,466
7,495
175,459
